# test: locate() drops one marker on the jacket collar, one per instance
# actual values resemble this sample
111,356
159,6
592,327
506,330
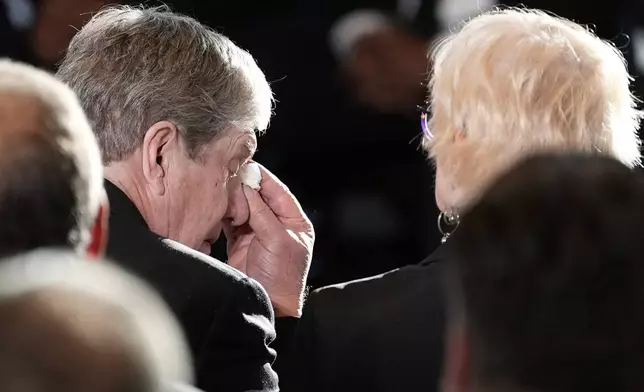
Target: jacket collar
122,206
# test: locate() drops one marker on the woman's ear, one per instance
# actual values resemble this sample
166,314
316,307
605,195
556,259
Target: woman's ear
160,142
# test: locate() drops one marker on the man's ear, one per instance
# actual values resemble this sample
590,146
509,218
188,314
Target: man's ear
99,231
456,366
159,142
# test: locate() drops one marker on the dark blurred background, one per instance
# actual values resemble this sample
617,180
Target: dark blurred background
345,137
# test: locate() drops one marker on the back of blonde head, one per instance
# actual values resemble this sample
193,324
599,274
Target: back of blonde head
516,82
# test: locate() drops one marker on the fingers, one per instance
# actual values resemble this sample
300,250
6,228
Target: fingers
261,219
230,232
237,211
277,196
233,233
237,241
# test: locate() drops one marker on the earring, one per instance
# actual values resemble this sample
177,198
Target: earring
447,223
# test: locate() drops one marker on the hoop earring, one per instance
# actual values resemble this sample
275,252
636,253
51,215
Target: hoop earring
447,223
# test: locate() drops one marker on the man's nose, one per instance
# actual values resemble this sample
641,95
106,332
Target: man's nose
237,211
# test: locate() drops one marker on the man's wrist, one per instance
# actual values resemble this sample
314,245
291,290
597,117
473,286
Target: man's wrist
287,306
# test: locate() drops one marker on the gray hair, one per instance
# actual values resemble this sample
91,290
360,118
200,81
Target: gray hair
132,67
63,158
145,324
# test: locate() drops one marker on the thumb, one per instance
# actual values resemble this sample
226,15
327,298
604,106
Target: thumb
261,218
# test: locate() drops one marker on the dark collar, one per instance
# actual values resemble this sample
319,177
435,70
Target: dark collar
441,253
122,206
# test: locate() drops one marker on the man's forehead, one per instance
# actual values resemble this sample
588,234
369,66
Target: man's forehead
238,143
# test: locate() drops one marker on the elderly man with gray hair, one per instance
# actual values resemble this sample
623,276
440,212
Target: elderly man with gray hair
175,107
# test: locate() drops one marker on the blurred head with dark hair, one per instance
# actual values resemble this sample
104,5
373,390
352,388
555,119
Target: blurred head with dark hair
547,284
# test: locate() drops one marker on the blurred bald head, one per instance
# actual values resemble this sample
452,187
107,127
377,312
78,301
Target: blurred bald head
70,326
50,171
56,340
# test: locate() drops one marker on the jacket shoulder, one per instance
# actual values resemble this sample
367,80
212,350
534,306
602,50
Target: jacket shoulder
402,285
205,262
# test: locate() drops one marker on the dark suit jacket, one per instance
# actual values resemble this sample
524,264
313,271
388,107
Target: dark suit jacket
381,334
226,316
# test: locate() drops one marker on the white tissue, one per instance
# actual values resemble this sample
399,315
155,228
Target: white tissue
251,175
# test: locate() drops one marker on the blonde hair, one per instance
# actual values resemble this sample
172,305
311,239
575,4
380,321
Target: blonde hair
516,82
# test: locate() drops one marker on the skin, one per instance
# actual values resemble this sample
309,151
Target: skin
30,121
83,339
448,193
270,238
170,190
442,189
275,246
